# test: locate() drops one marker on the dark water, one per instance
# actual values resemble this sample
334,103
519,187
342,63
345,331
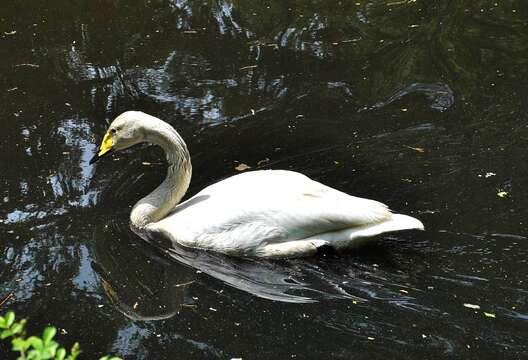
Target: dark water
419,104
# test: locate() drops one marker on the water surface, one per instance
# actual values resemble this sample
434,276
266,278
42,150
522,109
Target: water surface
418,104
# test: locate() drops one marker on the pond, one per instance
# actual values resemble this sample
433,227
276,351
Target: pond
420,104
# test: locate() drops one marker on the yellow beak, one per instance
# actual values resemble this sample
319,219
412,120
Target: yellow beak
106,147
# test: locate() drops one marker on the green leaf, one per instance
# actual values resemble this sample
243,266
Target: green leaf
35,342
47,353
52,347
2,323
48,334
18,327
10,318
61,354
75,351
19,344
34,355
5,334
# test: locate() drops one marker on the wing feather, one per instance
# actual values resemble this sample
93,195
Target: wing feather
259,207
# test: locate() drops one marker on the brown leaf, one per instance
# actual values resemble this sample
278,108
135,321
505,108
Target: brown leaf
242,167
419,149
263,161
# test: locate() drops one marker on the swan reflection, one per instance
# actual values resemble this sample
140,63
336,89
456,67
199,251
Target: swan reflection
149,279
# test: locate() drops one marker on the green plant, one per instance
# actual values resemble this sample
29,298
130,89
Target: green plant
34,347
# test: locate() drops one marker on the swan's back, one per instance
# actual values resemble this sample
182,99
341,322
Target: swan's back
274,213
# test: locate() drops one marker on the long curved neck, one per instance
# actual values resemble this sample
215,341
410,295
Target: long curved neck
156,205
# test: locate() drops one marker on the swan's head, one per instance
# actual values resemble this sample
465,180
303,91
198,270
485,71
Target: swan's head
125,131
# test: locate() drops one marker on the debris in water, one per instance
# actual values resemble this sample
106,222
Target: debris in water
184,284
263,161
27,65
419,149
472,306
242,167
7,297
502,194
489,315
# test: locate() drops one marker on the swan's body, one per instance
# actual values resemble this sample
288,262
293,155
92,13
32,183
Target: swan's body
267,213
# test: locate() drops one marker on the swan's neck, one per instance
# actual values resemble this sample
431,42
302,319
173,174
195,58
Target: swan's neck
156,205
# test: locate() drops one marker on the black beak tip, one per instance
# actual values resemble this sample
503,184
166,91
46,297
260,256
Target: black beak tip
94,159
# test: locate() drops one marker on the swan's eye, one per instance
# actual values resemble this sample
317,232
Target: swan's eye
113,130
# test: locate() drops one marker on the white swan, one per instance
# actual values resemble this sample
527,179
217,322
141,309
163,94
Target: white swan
266,213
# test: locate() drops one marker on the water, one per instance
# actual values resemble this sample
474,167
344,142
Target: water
419,104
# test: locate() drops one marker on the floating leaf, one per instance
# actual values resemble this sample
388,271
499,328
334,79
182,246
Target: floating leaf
489,315
242,167
502,194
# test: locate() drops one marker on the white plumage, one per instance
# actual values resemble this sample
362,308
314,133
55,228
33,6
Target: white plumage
266,213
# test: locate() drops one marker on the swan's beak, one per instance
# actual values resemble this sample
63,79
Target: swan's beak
106,147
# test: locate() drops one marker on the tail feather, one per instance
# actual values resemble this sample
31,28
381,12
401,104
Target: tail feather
397,222
405,222
356,236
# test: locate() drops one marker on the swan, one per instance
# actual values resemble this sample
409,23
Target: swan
264,213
